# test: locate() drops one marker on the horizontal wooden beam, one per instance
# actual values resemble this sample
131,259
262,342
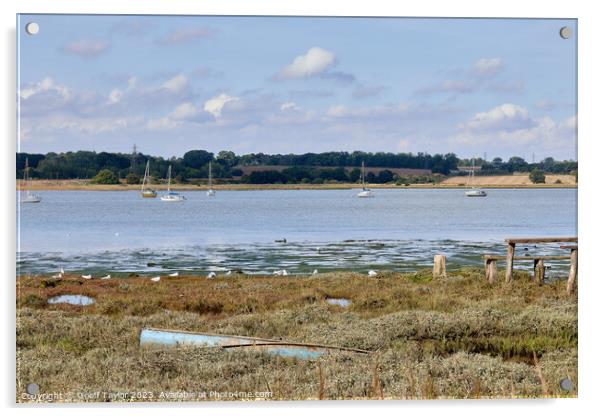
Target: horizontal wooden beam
532,240
487,257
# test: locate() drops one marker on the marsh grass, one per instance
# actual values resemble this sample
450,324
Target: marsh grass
456,337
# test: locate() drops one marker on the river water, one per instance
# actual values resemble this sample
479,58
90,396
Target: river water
399,229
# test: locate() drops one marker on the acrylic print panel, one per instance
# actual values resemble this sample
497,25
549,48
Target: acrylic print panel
294,208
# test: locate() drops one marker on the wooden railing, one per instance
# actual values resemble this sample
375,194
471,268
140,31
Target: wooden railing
539,266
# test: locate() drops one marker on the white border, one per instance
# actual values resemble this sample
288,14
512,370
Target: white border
590,25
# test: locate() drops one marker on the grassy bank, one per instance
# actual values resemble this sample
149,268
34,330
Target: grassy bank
458,337
85,185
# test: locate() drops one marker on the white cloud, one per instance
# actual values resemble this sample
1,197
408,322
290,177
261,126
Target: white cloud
184,111
216,104
115,96
510,130
176,84
87,48
448,86
162,123
364,91
185,35
506,117
45,85
290,113
314,62
378,111
132,83
88,126
488,67
289,106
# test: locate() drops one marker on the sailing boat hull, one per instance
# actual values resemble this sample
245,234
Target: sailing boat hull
475,193
32,199
28,197
148,194
173,198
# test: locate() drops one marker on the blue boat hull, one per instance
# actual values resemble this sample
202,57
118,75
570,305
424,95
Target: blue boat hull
166,338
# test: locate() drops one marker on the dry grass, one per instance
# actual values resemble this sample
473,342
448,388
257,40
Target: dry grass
458,337
510,180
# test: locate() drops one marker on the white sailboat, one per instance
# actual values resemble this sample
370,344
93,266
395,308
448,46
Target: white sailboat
29,196
473,191
365,192
171,196
147,192
210,191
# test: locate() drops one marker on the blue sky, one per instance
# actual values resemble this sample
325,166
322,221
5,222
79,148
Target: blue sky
293,85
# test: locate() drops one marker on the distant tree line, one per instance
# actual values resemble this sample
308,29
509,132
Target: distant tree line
303,168
194,164
517,164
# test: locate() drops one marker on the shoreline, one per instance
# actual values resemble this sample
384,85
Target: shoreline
84,186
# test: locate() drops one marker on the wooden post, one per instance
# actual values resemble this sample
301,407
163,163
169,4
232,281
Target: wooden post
539,271
439,266
570,285
509,262
491,270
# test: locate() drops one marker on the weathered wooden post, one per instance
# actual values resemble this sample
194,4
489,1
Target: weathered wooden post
439,266
539,271
491,270
510,261
570,285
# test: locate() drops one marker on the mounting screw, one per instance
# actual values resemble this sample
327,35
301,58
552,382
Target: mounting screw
32,28
565,32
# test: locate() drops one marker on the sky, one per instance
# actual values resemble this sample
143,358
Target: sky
169,84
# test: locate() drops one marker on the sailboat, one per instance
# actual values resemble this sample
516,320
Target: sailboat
171,196
29,196
473,191
365,192
210,191
147,193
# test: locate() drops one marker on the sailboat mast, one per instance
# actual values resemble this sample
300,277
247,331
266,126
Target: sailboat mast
26,171
145,175
26,175
210,175
363,175
168,179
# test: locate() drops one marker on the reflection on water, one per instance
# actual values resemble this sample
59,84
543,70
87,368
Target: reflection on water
79,300
339,302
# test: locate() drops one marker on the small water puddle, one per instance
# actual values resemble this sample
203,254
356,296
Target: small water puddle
79,300
340,302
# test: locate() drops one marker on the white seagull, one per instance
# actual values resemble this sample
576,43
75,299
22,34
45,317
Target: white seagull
174,274
229,272
315,271
372,273
155,279
86,276
282,272
59,275
107,277
211,275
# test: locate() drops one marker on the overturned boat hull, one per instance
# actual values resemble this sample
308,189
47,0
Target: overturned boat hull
168,338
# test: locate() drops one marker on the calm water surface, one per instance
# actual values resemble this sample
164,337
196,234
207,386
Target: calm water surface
399,229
